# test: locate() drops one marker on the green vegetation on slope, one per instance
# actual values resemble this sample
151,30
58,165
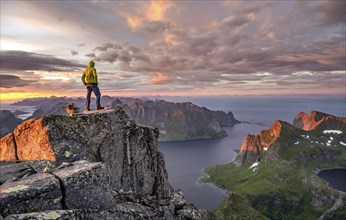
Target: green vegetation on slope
284,184
235,206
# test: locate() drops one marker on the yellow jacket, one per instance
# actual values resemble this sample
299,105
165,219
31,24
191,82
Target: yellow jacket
90,75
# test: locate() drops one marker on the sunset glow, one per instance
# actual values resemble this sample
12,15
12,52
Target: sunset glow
172,48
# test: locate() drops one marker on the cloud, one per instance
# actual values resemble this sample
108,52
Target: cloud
235,21
91,55
9,81
157,10
159,78
127,56
73,52
332,12
21,60
154,27
226,44
149,16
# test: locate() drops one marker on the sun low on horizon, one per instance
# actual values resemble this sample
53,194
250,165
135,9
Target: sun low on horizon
173,48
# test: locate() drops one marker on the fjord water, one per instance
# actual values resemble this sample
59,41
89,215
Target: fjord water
185,160
335,177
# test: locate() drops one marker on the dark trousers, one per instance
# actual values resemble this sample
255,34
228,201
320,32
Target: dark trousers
91,87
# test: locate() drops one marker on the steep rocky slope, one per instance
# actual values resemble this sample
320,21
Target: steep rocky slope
276,170
97,166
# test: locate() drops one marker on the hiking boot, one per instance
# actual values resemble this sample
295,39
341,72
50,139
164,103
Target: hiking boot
100,107
88,110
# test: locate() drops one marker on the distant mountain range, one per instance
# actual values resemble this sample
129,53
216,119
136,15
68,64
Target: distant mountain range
276,170
176,121
8,122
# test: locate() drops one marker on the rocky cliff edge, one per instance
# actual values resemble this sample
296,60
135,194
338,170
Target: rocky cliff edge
100,165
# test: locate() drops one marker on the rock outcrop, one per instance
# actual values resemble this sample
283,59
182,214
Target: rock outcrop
254,145
100,165
263,140
317,119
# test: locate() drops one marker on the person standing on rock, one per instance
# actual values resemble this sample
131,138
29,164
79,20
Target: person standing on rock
89,78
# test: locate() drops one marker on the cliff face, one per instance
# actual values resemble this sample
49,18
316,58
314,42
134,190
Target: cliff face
120,156
263,140
254,145
177,121
317,119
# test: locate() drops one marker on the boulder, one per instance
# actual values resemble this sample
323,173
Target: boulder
38,192
85,186
15,171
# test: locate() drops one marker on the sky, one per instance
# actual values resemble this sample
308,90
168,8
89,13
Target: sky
177,48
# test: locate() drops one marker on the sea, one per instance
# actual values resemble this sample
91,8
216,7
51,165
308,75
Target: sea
185,160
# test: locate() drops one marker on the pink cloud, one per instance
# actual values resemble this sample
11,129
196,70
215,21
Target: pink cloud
159,78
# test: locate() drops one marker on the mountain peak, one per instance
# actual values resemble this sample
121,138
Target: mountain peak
316,119
264,139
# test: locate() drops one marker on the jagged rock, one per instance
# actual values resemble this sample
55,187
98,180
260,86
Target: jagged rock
32,141
254,145
190,213
84,214
15,171
7,148
128,150
38,192
317,119
178,199
85,186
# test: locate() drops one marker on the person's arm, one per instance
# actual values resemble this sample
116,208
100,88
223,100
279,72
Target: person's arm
83,78
95,76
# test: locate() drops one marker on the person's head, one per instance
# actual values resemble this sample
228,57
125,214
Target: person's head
92,63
